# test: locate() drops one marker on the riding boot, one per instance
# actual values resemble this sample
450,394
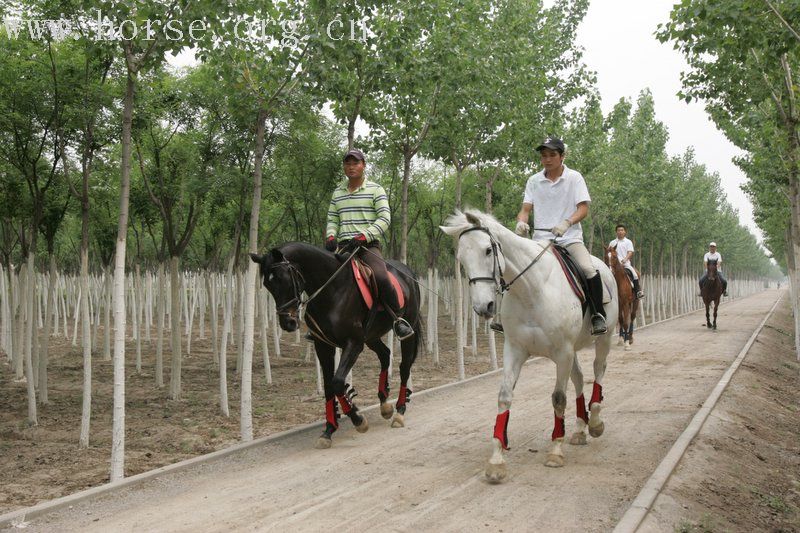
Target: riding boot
596,305
402,329
725,288
637,290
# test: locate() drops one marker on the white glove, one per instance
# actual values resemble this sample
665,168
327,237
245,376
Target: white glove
522,228
561,228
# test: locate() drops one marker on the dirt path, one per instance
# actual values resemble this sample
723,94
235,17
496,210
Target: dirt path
429,475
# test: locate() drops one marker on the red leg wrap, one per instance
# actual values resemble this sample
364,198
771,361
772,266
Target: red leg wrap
383,381
345,404
330,413
558,429
401,398
597,394
501,428
580,401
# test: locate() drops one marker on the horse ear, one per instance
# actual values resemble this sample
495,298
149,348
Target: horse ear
472,219
276,255
257,258
450,230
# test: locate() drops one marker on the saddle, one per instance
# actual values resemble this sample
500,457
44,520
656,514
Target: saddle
365,279
576,278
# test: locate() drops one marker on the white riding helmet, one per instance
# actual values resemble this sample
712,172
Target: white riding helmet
712,244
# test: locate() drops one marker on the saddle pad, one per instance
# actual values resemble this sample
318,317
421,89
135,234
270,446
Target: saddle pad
572,278
364,285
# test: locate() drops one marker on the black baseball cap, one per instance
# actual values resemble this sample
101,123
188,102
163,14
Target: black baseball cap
358,154
554,143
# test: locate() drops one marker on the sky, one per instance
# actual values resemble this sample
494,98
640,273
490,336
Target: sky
620,47
617,36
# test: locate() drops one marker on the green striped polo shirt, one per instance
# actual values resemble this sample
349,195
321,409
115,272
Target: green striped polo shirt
365,210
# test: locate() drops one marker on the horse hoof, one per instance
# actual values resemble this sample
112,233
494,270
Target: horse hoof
578,439
619,342
596,431
323,443
387,410
364,426
627,347
496,473
398,421
554,461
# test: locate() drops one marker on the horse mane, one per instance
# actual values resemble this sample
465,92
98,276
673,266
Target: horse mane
470,217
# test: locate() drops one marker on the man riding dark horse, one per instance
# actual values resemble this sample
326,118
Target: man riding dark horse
358,217
716,257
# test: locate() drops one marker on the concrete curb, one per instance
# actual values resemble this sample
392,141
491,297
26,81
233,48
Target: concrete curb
21,515
638,510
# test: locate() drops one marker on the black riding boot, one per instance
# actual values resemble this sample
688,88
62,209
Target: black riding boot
637,290
596,305
402,329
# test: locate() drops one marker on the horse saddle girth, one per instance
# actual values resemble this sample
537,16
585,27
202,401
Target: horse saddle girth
365,279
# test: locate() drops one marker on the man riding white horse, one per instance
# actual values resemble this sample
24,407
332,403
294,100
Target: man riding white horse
713,255
624,247
560,200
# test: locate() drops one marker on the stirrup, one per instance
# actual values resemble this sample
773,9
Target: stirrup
640,295
402,322
496,326
595,331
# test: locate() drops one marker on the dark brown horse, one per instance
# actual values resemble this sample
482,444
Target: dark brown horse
711,292
628,304
339,318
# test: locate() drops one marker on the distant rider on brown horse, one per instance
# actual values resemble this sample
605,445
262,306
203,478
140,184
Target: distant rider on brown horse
713,255
358,217
624,248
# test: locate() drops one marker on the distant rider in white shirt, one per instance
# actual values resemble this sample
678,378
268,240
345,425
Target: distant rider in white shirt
624,248
713,255
560,200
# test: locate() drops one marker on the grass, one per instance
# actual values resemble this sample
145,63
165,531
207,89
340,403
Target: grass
706,525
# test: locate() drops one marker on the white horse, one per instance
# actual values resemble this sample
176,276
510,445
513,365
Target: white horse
540,316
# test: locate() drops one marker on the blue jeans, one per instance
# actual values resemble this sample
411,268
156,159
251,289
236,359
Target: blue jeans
722,279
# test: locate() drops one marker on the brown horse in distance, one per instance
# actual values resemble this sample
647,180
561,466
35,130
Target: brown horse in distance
711,292
628,304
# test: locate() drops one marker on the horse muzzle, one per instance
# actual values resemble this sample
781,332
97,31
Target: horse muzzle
485,311
288,323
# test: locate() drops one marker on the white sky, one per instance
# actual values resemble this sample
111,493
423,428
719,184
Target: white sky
620,47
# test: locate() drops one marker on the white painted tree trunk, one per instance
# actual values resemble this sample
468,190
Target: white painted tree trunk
48,322
264,339
160,312
30,285
459,304
86,410
175,317
223,348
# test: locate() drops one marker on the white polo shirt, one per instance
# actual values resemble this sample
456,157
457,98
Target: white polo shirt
716,256
623,247
554,202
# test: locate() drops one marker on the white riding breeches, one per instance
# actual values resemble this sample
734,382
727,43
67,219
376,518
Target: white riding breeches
632,270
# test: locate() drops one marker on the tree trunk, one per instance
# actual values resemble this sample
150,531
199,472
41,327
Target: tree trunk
30,286
118,429
86,410
404,207
175,326
459,290
246,419
48,322
160,312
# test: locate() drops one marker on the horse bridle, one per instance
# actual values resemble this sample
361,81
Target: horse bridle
294,274
501,287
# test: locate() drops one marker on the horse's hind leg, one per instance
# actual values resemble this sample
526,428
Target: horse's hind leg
513,357
716,305
601,348
345,392
325,355
579,437
564,364
383,353
408,348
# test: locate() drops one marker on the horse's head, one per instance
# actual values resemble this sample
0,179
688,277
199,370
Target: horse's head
481,256
711,268
285,282
610,256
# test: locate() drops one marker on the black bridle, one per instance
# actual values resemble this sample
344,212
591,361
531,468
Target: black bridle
298,285
501,287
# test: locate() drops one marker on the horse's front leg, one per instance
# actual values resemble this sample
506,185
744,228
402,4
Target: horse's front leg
579,437
708,319
325,355
345,392
383,353
602,346
564,362
716,306
513,358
